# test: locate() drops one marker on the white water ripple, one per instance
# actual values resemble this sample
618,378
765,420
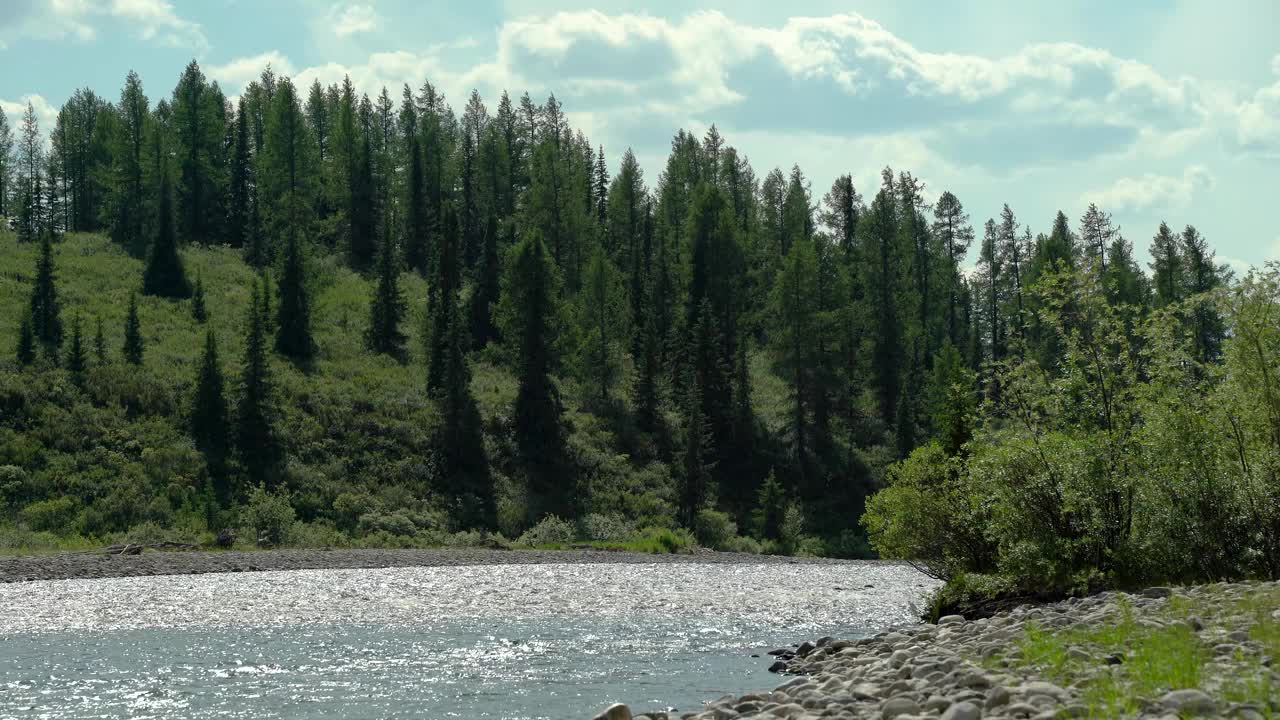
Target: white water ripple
512,641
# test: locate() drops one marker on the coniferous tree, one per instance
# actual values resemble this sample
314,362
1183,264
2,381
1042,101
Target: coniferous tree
257,442
417,229
240,182
771,502
133,346
164,275
45,312
952,229
697,487
293,312
529,312
484,297
77,361
29,191
362,210
99,343
128,189
459,443
795,304
6,164
209,421
387,309
882,270
285,178
26,350
646,388
443,290
600,331
199,312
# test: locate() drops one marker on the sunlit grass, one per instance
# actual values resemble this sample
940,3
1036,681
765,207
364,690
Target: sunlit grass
1153,659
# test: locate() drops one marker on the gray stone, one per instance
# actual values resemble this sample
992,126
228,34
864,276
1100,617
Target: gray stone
1189,701
1039,687
894,707
617,711
997,697
1156,592
951,620
962,711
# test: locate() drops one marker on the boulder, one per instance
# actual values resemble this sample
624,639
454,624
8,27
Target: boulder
962,711
616,711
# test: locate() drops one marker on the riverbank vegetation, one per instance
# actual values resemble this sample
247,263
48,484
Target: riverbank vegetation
317,317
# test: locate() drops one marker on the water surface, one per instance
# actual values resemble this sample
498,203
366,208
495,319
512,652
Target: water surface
513,641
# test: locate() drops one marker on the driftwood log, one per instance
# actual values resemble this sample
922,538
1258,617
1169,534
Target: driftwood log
137,548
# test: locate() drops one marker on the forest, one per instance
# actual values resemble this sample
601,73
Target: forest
312,316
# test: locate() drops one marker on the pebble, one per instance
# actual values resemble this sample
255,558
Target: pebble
969,670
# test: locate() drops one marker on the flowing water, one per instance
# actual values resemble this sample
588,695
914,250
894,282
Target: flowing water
513,641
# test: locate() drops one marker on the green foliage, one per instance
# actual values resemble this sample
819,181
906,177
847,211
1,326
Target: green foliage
931,515
269,515
550,530
715,529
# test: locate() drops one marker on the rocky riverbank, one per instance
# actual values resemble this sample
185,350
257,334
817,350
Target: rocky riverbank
66,566
1163,653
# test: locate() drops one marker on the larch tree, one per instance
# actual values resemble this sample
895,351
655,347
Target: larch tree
952,229
600,321
6,164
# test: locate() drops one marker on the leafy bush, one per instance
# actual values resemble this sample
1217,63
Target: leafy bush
715,529
269,515
394,523
663,540
550,530
744,544
605,528
51,515
929,515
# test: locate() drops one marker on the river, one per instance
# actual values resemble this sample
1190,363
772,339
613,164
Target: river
502,641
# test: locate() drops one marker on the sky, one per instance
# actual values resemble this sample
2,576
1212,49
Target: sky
1155,110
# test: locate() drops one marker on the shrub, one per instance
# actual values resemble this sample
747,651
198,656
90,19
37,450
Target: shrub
317,534
744,544
550,530
715,529
349,506
664,540
605,528
792,527
928,516
269,515
52,515
394,523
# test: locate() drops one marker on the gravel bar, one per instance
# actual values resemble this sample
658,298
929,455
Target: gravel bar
69,566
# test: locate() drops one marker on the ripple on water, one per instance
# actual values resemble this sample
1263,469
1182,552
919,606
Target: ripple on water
514,641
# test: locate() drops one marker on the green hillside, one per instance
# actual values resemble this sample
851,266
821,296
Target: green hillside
113,459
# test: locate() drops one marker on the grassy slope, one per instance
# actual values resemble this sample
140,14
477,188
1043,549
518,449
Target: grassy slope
358,423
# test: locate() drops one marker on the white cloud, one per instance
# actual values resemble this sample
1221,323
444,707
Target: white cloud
1257,120
151,20
1153,191
234,75
46,113
352,19
861,58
